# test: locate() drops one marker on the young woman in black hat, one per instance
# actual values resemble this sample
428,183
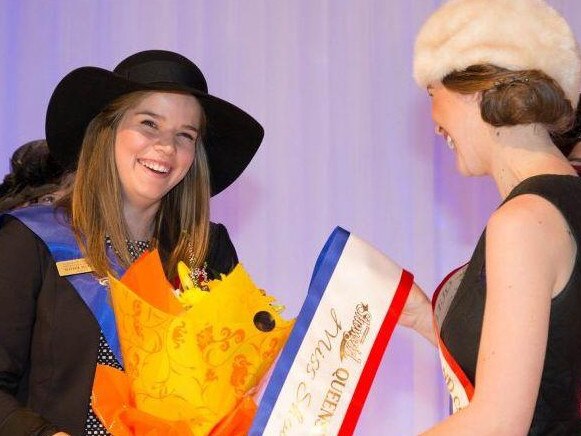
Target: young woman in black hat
503,75
150,147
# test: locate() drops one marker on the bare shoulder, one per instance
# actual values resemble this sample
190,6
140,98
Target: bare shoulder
529,234
525,214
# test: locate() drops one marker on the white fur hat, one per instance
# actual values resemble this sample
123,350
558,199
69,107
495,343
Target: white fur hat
511,34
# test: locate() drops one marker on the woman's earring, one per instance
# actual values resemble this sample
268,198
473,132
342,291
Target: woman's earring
450,142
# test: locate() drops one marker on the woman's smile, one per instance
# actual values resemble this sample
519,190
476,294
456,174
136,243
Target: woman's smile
156,167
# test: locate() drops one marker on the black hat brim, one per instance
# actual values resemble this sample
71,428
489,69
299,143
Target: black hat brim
232,135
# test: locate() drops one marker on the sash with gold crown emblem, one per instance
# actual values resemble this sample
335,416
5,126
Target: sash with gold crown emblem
326,369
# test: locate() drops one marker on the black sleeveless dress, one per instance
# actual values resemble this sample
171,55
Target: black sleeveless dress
558,405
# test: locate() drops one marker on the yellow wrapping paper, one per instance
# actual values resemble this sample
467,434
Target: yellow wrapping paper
188,368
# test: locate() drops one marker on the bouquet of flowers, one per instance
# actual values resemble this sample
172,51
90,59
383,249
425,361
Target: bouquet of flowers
191,360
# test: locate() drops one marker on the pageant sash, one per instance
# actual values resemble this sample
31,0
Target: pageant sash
49,224
324,373
458,384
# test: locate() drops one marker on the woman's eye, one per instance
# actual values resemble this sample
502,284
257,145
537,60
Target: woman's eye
149,123
187,136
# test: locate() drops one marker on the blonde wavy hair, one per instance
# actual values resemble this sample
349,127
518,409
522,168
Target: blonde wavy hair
95,205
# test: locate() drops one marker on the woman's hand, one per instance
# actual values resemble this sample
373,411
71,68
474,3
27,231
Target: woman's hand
417,313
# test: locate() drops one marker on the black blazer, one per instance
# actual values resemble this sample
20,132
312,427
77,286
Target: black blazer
48,336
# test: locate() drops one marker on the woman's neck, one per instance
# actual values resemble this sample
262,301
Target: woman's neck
521,152
140,221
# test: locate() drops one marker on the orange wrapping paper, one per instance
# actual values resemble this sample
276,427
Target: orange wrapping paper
186,371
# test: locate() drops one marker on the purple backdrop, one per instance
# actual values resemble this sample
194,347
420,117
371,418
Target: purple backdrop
349,140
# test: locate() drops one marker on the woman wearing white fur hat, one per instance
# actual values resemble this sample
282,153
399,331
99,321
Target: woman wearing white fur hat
503,75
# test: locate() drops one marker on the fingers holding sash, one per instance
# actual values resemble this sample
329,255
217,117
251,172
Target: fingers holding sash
417,314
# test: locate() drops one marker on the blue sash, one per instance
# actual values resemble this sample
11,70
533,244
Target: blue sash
50,225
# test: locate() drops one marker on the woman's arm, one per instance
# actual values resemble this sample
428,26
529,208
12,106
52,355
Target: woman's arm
20,275
417,314
529,259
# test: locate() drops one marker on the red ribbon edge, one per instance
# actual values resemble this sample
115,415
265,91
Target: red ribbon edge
375,355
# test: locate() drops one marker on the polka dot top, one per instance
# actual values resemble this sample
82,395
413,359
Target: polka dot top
105,356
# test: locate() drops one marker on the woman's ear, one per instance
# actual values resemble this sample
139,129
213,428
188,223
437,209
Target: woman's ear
473,97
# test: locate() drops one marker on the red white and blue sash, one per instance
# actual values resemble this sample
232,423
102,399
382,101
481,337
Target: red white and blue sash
325,371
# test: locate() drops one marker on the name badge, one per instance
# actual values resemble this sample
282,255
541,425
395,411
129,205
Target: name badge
72,267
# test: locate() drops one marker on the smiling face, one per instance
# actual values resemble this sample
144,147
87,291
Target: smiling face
458,120
155,146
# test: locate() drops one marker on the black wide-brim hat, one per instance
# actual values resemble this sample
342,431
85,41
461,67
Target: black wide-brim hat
232,136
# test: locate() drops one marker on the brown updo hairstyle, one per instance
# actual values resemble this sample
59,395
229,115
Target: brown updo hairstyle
568,140
510,98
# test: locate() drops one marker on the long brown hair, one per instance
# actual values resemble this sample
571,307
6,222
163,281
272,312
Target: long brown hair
181,225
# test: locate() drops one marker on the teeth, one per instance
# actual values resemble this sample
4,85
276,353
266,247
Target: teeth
155,166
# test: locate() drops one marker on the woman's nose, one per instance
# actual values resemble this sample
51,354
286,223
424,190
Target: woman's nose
166,142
